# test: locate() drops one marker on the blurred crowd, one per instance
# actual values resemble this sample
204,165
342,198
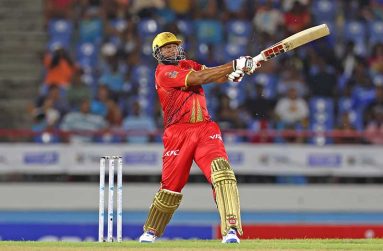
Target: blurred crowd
99,71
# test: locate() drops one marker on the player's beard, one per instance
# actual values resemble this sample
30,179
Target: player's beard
172,60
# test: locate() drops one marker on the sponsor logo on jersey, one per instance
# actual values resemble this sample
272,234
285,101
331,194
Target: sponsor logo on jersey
216,136
172,153
172,74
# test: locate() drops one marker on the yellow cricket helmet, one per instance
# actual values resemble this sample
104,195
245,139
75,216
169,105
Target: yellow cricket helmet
164,38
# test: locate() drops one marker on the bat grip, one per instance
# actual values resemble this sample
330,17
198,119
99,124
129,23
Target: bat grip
259,58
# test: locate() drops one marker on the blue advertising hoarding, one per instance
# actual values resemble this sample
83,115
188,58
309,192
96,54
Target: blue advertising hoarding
89,232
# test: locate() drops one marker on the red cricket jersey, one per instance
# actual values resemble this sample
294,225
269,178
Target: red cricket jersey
180,103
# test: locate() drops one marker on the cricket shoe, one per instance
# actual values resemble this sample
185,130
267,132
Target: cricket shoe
231,237
148,236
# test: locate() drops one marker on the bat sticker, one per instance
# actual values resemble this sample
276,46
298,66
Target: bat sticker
274,51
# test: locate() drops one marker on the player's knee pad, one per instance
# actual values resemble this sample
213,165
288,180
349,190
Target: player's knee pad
227,196
161,211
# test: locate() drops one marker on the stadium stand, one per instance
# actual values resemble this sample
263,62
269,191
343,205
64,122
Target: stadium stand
102,37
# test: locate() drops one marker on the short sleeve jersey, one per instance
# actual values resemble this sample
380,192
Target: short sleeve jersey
180,103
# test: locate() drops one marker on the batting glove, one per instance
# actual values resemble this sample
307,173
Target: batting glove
247,64
256,65
236,76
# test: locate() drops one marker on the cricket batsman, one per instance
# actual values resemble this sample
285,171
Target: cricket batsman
190,134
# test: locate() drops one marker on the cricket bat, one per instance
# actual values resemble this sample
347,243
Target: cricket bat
294,41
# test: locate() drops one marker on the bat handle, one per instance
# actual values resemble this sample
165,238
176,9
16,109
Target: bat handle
259,58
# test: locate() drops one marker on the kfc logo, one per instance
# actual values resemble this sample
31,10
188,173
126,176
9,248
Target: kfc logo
216,136
171,153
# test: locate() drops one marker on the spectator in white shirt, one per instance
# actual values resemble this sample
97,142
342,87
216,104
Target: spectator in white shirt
292,112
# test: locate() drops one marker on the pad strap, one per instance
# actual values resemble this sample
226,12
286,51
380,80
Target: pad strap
227,196
161,211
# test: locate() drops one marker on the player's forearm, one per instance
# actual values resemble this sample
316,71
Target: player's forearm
205,76
221,80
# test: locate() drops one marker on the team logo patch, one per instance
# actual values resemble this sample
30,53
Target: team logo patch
172,74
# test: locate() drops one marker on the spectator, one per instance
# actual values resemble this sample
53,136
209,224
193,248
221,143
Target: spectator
376,59
62,9
291,112
292,109
182,8
205,9
59,68
104,106
56,97
78,91
377,9
52,115
345,100
91,26
375,106
130,39
209,31
268,19
114,120
114,114
84,123
46,116
292,78
84,4
114,29
297,18
99,103
113,79
235,9
211,58
227,116
323,81
286,5
374,127
140,124
109,56
259,107
363,91
165,15
344,126
146,8
348,60
115,9
352,10
45,120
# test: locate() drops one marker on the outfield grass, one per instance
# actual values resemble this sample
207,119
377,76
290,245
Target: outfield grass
300,244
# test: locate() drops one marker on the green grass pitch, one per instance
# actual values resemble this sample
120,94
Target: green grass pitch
298,244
